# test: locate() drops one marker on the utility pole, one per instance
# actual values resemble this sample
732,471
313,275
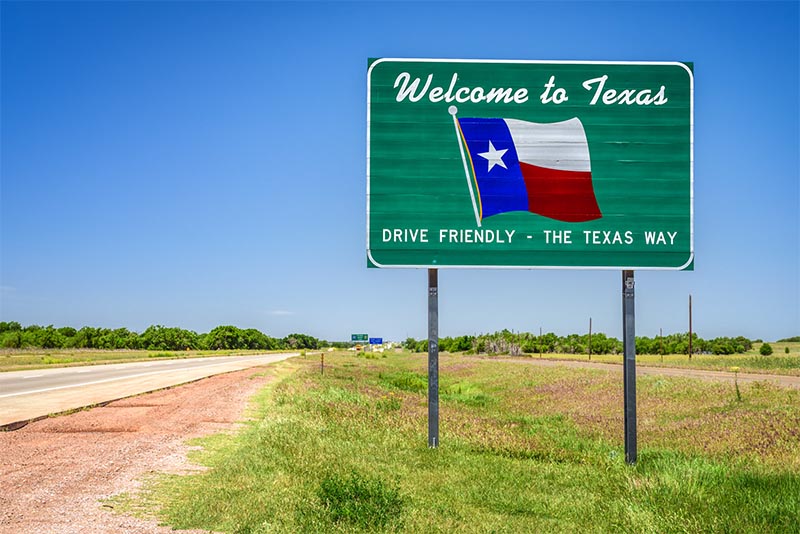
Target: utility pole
590,338
540,342
661,344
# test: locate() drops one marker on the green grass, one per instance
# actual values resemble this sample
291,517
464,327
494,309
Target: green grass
26,359
523,449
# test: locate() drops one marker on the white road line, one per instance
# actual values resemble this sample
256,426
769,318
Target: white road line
31,376
109,380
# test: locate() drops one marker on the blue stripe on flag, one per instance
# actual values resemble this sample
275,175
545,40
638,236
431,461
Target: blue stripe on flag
501,189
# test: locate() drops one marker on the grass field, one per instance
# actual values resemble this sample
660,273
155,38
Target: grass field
523,449
24,359
779,362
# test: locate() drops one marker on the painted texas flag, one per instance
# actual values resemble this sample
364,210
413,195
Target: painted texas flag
526,166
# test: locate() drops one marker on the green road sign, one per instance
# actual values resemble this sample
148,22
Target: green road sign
529,164
359,337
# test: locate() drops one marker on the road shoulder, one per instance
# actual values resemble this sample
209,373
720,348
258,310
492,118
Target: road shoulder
54,472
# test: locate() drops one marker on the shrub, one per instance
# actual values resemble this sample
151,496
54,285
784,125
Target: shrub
407,381
786,350
766,349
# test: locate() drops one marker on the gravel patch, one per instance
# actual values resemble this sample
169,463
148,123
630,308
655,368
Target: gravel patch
54,472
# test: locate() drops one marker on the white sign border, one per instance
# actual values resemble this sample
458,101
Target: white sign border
540,62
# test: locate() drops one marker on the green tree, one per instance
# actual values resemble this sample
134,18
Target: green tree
12,326
766,349
463,343
547,342
49,338
300,341
68,332
257,340
225,337
86,338
11,339
120,338
159,337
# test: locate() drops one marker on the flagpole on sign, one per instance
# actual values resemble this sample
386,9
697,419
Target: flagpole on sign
453,110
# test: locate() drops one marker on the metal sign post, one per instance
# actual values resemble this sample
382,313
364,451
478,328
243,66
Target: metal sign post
690,326
629,365
433,358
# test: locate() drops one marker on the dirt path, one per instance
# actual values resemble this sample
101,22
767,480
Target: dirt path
701,374
53,472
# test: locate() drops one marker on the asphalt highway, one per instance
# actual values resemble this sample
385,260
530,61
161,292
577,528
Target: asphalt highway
26,395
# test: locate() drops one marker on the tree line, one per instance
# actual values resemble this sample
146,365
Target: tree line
156,337
516,343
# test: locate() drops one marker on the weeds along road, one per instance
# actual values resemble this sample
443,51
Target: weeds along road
27,395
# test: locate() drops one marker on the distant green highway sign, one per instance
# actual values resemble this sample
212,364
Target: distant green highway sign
359,337
529,164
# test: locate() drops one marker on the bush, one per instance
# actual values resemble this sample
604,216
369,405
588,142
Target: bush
766,349
786,350
407,381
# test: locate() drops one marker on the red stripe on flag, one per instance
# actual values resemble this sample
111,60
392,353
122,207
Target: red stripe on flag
561,195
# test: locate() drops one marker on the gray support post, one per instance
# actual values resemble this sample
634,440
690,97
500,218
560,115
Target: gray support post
629,365
433,358
690,326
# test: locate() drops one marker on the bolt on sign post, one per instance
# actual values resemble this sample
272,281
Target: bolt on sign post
529,164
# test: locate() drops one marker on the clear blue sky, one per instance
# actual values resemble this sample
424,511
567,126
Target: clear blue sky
196,164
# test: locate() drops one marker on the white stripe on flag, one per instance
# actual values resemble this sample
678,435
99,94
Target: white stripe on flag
557,145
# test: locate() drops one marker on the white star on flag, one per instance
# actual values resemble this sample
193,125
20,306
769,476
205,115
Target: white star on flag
494,156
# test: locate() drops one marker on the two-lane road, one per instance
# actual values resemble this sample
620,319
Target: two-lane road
26,395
